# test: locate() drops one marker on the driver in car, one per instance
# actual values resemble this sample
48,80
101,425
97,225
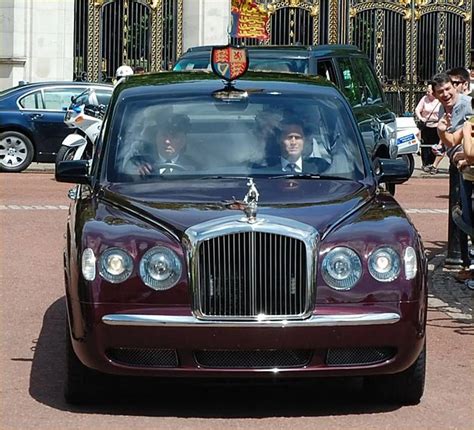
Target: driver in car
167,152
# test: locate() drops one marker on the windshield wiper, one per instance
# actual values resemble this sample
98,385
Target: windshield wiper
223,177
308,176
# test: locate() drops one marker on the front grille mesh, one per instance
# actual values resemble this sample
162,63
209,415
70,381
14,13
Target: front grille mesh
144,357
251,273
358,356
258,359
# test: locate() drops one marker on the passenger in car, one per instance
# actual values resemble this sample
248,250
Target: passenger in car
292,145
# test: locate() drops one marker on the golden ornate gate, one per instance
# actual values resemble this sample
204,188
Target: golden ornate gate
305,22
109,33
409,41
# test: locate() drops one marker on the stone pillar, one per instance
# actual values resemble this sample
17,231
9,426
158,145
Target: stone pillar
37,41
205,22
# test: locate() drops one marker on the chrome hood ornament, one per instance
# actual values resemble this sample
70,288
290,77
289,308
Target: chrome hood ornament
251,202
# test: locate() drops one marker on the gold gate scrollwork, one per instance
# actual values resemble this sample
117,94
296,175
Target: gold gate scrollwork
404,72
157,60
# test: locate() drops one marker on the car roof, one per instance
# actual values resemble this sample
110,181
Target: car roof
33,85
299,50
203,81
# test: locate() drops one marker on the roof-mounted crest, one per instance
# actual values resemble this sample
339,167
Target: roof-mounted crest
229,62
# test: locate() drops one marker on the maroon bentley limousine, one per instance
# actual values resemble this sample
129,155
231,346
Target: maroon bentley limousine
233,226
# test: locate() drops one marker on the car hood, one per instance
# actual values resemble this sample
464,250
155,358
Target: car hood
179,205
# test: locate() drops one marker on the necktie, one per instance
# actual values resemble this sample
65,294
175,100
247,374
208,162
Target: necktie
291,167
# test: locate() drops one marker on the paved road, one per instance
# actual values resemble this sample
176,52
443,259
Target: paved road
32,218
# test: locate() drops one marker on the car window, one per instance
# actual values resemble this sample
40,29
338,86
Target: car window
103,97
32,101
370,87
193,64
350,81
327,70
279,65
295,65
58,98
240,138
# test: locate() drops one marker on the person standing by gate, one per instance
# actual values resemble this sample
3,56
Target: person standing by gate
427,121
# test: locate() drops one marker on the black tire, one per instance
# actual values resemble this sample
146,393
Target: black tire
82,385
406,387
408,158
390,188
16,151
65,153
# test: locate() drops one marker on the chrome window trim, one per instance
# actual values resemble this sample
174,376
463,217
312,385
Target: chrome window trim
41,89
347,320
199,233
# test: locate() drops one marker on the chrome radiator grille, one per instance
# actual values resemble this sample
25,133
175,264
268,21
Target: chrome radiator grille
251,273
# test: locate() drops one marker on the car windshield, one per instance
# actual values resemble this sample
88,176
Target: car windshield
261,134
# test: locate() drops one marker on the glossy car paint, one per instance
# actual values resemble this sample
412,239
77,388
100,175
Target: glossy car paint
139,216
44,127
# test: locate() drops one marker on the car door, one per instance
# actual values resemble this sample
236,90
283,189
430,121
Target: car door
44,109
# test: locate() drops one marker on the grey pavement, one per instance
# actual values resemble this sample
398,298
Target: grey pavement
444,294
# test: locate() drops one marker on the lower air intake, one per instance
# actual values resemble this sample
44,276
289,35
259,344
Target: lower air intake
358,356
144,357
259,359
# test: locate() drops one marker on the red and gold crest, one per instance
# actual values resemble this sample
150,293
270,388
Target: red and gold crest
229,62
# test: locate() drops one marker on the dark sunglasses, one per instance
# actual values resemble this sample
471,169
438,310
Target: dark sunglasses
456,83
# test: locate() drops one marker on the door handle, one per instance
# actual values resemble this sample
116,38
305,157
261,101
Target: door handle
34,116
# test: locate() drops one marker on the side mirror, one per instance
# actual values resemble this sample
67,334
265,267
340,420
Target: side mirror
391,171
75,172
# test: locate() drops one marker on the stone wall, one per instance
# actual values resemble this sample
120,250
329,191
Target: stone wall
36,41
205,22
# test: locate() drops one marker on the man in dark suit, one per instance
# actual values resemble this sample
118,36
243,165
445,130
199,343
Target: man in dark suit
167,152
292,145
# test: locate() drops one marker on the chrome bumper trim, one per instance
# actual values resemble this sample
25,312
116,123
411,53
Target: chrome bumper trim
190,321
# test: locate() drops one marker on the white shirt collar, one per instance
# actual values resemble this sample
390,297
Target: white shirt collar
298,164
164,160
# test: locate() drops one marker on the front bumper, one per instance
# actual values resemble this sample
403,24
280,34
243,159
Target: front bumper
135,320
101,333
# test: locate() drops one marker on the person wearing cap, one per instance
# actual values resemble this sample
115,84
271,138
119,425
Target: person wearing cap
167,152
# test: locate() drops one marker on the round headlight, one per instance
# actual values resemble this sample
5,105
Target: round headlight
115,265
384,264
88,264
341,268
160,268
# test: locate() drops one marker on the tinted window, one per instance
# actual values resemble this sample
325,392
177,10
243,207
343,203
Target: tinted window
371,90
326,70
279,65
256,64
350,81
240,138
193,64
58,98
32,101
103,97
